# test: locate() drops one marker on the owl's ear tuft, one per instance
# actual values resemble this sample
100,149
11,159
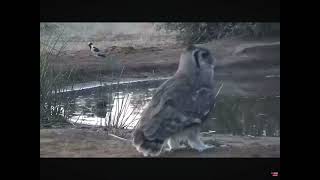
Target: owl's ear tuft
189,47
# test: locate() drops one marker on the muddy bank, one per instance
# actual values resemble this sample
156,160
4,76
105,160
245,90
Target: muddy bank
232,55
97,143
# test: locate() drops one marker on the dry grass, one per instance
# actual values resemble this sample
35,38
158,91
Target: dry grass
53,106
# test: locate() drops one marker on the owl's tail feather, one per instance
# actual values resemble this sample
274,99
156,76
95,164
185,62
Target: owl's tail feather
138,137
147,147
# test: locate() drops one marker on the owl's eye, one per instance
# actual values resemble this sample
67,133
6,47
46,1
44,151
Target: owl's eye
205,55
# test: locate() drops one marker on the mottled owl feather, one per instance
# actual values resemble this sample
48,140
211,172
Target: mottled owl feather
162,119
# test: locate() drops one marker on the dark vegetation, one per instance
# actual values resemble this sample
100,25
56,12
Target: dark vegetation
204,32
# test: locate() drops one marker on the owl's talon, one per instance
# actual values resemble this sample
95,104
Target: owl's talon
205,147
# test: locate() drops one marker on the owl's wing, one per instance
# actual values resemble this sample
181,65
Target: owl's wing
174,107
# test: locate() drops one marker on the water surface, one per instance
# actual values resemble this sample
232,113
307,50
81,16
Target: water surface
121,104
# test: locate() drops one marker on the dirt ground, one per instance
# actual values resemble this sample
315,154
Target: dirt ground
93,143
253,65
231,56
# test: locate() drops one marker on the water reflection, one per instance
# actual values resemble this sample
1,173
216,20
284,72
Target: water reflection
257,116
120,107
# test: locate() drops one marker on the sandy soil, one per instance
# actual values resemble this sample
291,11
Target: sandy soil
93,143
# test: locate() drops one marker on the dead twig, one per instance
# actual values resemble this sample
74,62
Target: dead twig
123,139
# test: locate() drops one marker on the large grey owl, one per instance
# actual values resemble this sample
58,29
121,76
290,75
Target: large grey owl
179,106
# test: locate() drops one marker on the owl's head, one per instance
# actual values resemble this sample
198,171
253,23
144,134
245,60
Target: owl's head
195,59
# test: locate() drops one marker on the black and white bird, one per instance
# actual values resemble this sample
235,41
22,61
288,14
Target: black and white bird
95,51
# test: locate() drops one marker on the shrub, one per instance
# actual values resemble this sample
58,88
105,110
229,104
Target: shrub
204,32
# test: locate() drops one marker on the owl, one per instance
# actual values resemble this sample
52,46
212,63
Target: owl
179,106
